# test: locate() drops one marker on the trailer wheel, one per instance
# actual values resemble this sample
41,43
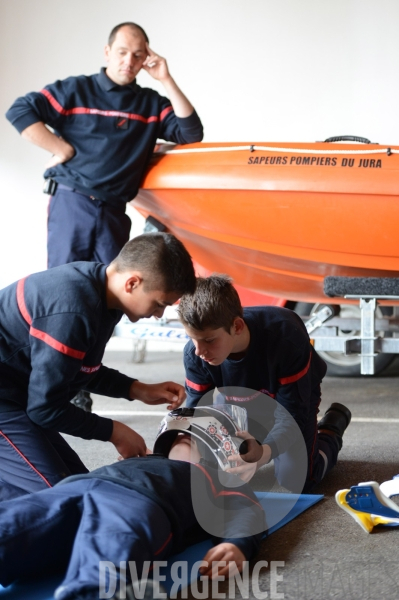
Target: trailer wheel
339,365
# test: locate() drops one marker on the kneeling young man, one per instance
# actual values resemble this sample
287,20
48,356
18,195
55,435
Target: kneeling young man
54,327
266,350
139,509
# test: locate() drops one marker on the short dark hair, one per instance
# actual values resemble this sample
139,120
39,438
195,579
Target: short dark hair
215,303
115,30
164,261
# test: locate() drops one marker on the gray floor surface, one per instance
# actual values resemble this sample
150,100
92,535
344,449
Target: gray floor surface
325,553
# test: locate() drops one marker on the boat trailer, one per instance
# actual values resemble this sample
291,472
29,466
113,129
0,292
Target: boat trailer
376,335
373,335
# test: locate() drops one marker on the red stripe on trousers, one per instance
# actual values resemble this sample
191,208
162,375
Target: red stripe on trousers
25,459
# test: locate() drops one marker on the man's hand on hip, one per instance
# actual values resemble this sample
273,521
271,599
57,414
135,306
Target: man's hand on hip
65,153
41,136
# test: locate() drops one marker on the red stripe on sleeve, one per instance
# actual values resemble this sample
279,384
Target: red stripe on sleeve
21,301
47,339
197,386
53,102
165,112
293,378
41,335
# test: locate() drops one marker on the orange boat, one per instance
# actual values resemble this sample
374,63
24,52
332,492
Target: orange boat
280,217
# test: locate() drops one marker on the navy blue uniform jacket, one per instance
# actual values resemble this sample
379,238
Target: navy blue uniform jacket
54,327
187,492
113,129
280,362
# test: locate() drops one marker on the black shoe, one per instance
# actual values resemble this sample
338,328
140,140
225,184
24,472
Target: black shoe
83,400
336,419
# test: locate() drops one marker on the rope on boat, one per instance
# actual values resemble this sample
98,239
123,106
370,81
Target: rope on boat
253,148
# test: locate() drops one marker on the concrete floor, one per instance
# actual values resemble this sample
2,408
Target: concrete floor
325,553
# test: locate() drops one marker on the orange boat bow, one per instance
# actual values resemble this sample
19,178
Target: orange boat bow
279,218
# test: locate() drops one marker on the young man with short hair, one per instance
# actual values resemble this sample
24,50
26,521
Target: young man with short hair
54,327
267,351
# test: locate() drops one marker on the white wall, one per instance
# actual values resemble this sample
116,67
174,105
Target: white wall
256,70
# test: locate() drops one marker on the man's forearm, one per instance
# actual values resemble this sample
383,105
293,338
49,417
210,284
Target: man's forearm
38,134
181,105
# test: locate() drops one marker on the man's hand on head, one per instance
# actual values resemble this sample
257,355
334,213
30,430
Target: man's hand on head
158,68
156,65
168,392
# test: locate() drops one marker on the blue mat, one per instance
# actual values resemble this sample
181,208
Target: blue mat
278,508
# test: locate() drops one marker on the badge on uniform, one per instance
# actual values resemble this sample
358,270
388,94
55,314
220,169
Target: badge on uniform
122,123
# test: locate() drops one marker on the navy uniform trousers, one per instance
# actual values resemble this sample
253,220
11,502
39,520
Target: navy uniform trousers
321,454
73,527
84,228
32,458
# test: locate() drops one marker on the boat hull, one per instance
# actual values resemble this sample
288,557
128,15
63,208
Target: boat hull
280,226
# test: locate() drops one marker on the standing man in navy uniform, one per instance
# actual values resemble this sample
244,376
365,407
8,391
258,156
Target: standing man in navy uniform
105,129
54,327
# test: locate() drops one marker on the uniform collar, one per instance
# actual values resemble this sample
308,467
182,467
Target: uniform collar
107,84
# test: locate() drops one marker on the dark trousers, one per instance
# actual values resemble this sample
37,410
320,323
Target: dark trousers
32,458
316,452
76,525
81,228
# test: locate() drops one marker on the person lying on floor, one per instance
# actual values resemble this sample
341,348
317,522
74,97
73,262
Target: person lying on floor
138,509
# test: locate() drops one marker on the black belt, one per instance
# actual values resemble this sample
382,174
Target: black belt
61,186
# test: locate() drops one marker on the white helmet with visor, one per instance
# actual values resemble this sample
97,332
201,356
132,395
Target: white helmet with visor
213,427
